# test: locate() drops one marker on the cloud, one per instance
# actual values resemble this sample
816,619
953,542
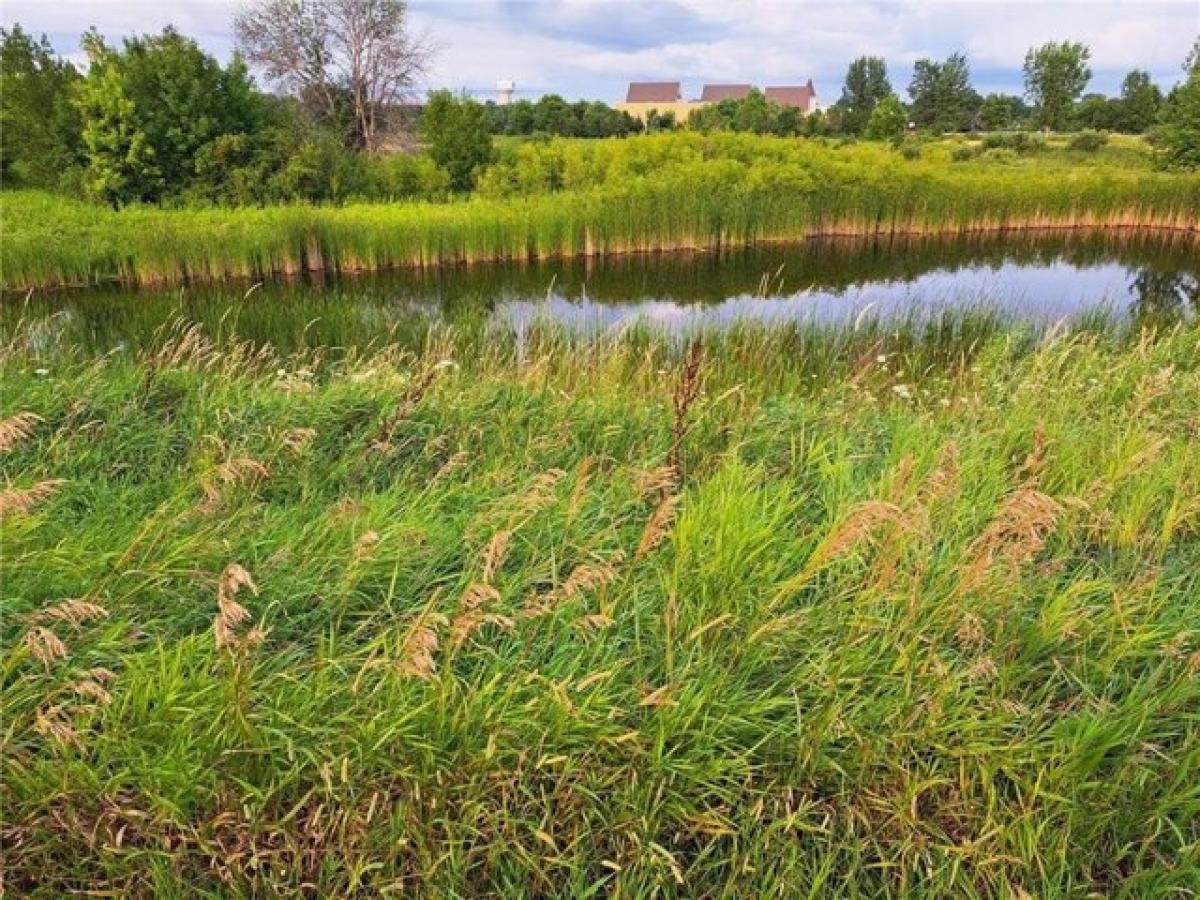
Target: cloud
591,48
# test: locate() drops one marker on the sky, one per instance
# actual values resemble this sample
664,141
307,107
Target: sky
593,48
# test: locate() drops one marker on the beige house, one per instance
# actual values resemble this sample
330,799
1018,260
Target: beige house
644,97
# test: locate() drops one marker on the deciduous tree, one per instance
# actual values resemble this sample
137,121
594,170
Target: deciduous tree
455,129
866,86
1055,76
888,119
320,49
1178,133
942,97
40,131
1140,102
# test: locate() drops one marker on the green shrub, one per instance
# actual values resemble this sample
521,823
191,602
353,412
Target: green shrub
1088,141
1020,142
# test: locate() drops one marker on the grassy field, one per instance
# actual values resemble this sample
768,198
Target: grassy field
790,613
563,197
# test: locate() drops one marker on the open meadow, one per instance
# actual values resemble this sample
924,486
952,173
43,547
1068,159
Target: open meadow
857,612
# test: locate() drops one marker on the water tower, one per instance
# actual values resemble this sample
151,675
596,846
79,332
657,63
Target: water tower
504,91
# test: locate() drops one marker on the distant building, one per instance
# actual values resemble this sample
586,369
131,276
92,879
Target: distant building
715,93
803,98
504,91
644,97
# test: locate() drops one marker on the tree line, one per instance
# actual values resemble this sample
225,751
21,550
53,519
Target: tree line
159,120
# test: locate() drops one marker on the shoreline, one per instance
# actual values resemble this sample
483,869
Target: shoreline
313,258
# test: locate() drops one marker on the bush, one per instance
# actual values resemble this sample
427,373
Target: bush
1088,141
910,150
965,152
1020,142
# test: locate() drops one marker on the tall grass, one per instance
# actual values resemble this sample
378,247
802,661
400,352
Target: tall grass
854,613
648,194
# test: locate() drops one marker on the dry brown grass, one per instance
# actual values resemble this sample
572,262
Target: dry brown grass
1015,535
22,501
71,612
44,645
494,555
657,526
17,428
230,613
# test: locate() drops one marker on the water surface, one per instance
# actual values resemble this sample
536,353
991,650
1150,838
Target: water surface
1041,279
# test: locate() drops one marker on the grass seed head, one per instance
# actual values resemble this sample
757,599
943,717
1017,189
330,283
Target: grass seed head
657,526
72,612
17,428
22,501
44,645
493,556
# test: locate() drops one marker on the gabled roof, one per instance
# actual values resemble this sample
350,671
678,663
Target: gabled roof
714,93
801,97
653,92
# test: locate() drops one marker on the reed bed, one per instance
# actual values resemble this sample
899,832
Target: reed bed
641,195
759,613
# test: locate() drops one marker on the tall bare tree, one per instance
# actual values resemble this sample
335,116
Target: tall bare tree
326,50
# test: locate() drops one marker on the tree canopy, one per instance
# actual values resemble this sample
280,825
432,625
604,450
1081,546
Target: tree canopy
455,129
866,86
1055,76
39,125
338,56
942,97
149,108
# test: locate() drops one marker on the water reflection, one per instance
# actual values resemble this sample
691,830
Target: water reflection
1044,278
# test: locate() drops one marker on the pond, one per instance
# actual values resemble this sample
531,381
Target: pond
1042,279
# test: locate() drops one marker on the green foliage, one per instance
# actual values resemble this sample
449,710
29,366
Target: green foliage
999,111
1020,142
754,113
121,159
657,122
916,616
1139,104
565,197
1055,75
455,130
552,115
40,131
150,110
888,120
1088,141
1177,136
942,97
1097,112
866,86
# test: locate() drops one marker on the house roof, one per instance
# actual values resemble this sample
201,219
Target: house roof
653,92
801,97
714,93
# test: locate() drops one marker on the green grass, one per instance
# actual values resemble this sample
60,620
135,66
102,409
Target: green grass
564,198
918,616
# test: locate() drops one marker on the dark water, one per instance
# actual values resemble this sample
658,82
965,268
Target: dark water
1045,279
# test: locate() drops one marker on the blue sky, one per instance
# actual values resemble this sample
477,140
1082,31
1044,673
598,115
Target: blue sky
592,48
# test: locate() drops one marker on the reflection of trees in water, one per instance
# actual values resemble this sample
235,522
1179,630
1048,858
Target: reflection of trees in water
1164,295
